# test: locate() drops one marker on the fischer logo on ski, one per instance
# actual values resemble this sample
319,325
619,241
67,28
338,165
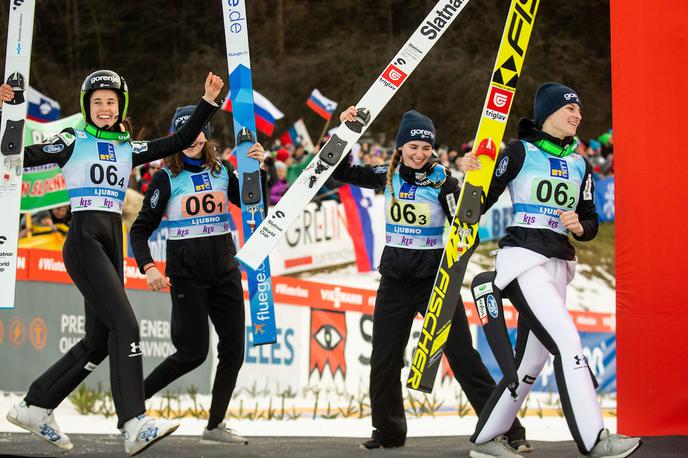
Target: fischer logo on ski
384,87
464,227
263,326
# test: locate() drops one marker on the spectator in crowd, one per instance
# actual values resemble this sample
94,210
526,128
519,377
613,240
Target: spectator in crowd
300,159
280,184
146,178
54,220
452,154
581,148
135,179
282,155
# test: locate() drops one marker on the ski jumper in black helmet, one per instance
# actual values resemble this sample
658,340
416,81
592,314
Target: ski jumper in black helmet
96,165
104,79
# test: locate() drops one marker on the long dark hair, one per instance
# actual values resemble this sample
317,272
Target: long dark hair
175,164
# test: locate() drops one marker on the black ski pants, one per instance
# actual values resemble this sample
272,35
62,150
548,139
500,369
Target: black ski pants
193,301
396,305
93,258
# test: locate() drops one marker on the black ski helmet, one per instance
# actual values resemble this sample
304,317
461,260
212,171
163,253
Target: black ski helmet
104,79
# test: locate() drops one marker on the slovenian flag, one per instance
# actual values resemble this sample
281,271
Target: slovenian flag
267,114
290,136
358,205
322,106
297,135
41,108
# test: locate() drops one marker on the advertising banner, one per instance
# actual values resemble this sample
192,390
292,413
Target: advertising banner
324,335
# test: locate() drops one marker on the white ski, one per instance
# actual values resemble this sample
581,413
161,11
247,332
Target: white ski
347,134
17,64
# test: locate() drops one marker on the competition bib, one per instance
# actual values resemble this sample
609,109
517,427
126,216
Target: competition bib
198,204
97,174
544,186
416,220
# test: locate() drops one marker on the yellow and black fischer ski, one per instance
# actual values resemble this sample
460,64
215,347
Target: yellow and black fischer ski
464,227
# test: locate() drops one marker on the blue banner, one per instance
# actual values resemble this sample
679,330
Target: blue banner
604,199
598,347
494,222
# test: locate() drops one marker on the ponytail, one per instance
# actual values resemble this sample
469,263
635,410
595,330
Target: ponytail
390,172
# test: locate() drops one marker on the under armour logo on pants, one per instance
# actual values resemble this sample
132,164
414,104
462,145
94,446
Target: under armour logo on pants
135,349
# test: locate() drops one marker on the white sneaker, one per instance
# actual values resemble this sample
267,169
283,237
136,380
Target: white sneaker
614,445
41,422
497,447
142,431
223,434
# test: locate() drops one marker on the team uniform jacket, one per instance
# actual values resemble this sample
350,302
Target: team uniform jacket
194,257
540,240
400,262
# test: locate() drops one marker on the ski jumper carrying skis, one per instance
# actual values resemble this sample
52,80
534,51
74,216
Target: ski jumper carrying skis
418,202
96,163
387,84
193,191
552,191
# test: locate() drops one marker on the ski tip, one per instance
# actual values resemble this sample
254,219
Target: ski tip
264,342
245,264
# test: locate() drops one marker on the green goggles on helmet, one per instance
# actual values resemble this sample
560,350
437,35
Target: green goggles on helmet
107,134
552,148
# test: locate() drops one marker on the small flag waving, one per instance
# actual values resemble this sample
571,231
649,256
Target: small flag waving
322,106
297,135
358,203
267,114
41,108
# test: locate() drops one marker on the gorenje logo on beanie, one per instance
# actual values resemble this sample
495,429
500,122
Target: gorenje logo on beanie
415,126
422,133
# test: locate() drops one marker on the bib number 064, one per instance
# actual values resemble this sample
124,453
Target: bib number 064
98,174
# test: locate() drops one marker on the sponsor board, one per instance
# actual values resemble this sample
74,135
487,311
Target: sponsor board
324,337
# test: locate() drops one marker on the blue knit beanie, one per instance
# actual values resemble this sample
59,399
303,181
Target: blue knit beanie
182,115
415,126
549,97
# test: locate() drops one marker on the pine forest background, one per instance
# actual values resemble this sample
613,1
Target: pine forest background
164,48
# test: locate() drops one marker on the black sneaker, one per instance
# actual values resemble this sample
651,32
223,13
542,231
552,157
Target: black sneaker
378,441
517,440
521,445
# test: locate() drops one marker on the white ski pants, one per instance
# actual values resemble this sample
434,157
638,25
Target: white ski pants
536,286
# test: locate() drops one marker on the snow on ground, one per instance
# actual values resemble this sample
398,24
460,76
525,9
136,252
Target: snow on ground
583,294
548,428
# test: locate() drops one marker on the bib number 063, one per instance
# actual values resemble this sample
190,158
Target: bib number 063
409,214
